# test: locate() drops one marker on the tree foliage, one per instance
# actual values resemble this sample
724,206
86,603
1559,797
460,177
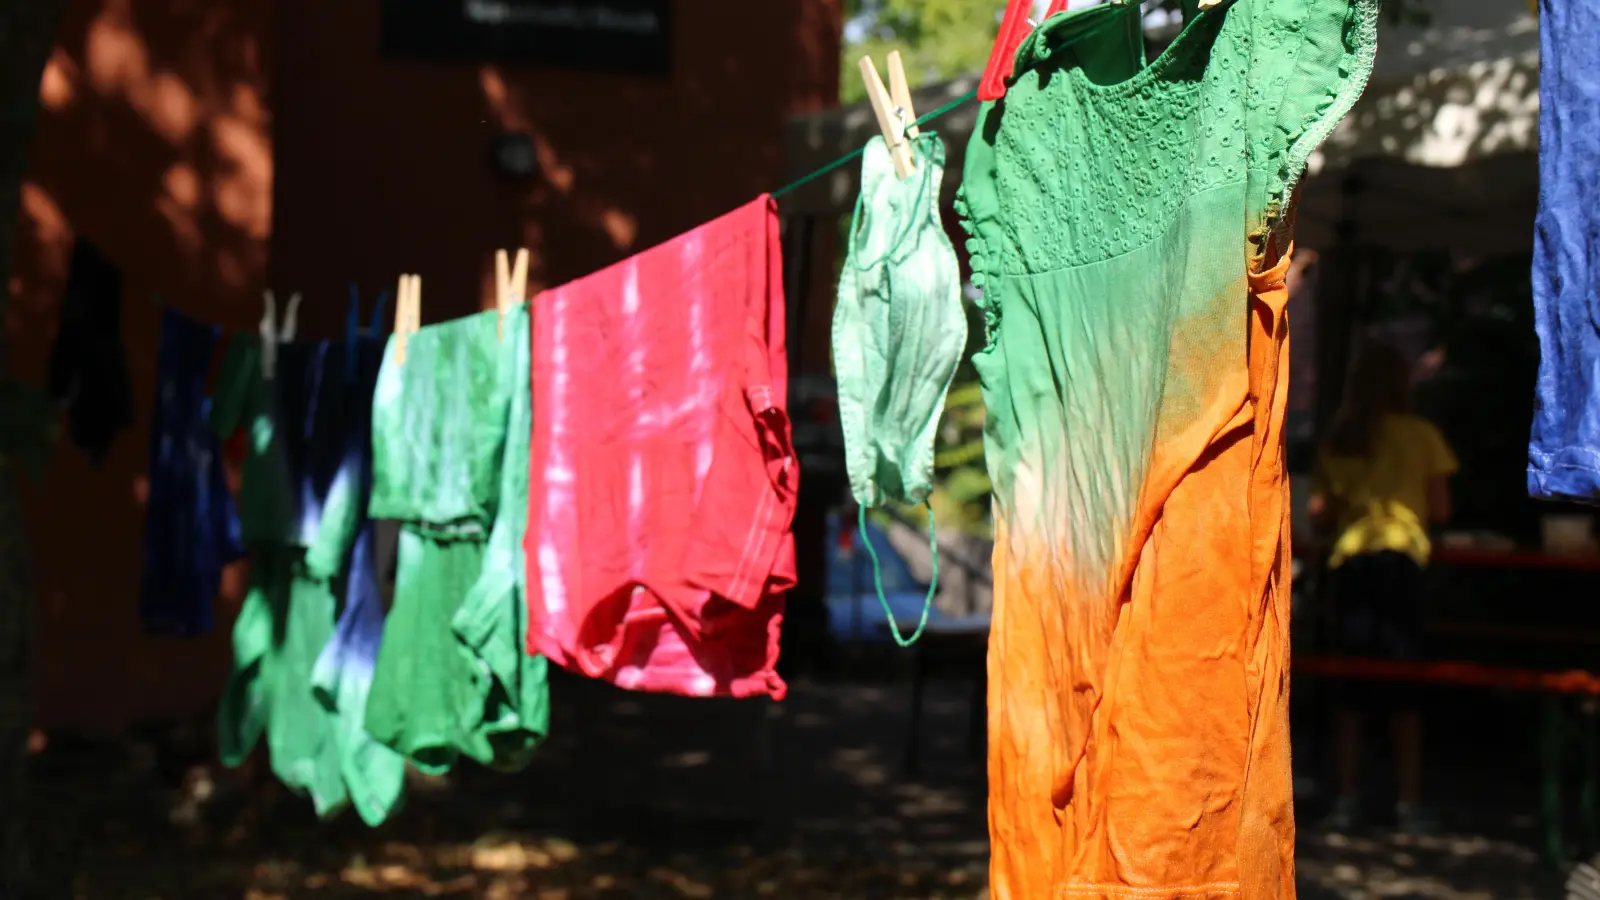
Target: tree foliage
939,39
943,39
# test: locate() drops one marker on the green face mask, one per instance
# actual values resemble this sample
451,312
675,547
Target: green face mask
899,329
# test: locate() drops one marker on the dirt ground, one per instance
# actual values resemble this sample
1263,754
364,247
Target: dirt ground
658,797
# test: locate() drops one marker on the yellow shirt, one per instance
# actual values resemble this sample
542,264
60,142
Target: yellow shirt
1381,500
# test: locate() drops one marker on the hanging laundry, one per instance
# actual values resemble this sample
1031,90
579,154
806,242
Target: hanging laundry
663,479
1564,456
344,556
441,429
192,528
88,365
288,615
245,416
373,773
493,620
899,332
1130,230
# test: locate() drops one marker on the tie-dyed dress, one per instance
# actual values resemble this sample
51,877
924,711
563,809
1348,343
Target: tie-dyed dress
1130,231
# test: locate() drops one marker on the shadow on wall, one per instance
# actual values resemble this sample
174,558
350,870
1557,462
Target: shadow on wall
155,144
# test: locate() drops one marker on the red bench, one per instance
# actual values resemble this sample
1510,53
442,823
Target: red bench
1564,720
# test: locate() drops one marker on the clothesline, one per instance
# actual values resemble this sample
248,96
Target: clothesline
798,183
160,303
812,176
855,154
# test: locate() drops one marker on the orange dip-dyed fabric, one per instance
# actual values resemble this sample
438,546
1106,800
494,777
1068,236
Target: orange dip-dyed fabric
1124,219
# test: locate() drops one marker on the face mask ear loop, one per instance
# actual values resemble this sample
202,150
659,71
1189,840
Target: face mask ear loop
877,578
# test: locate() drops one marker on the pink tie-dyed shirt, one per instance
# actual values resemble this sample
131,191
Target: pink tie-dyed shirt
662,479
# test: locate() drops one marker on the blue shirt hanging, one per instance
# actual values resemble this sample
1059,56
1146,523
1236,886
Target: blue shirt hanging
1564,453
191,525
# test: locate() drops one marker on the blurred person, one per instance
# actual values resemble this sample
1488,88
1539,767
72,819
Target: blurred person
1382,480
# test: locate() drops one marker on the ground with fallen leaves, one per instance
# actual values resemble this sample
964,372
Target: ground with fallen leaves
657,797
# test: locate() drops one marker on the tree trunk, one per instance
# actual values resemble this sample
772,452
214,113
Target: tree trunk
28,31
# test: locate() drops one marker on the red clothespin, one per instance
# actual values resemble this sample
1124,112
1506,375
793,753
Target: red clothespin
1014,29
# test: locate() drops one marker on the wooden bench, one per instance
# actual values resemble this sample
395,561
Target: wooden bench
1569,715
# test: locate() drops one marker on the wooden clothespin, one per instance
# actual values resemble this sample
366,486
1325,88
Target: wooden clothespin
407,314
510,284
900,93
271,334
895,132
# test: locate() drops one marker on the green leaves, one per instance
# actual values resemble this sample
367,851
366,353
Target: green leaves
939,39
944,39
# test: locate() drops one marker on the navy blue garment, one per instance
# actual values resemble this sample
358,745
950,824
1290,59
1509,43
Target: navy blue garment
307,393
352,652
344,552
191,525
344,543
88,367
1564,453
322,409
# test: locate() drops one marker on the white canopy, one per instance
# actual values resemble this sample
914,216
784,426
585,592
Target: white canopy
1441,150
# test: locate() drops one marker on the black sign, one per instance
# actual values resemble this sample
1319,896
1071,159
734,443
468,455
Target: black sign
633,36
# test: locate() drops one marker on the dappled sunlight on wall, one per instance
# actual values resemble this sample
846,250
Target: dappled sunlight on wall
179,149
392,167
154,144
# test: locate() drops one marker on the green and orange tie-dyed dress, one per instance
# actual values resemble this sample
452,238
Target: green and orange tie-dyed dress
1130,226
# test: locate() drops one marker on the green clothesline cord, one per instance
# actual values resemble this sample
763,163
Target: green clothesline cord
856,154
877,578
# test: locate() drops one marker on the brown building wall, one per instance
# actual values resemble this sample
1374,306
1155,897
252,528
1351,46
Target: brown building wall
391,161
216,149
